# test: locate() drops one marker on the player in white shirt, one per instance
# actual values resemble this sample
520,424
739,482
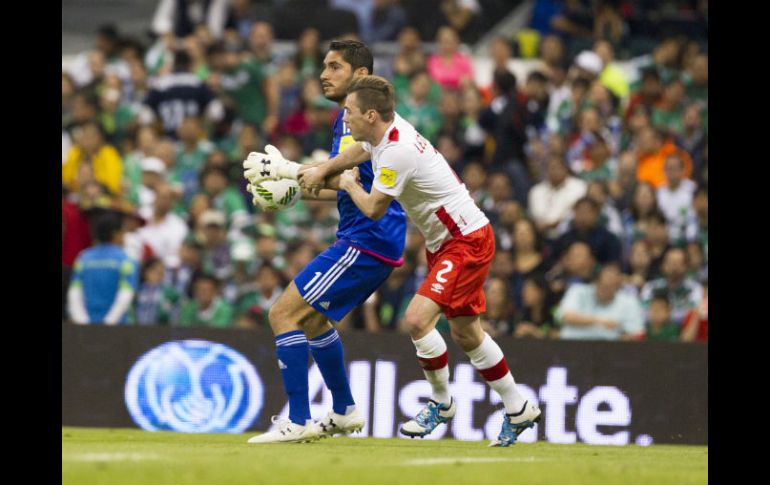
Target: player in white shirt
459,242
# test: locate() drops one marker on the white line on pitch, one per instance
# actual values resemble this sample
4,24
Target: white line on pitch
111,457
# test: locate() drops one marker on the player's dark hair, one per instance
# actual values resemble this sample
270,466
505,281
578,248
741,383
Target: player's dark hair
354,53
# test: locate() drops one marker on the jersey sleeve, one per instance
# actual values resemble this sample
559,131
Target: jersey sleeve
129,275
395,167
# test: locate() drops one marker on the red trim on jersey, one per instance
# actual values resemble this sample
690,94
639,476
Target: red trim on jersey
498,371
393,136
434,363
447,220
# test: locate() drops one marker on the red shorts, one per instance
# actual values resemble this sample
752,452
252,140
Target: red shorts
457,272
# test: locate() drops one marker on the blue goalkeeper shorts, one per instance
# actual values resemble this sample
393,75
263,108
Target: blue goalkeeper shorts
339,279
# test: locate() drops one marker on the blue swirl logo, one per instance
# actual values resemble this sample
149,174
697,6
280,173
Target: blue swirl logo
194,386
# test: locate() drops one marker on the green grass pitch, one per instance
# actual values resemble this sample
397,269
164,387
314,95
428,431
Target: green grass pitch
123,456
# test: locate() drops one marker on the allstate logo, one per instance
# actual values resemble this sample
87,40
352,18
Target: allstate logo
193,386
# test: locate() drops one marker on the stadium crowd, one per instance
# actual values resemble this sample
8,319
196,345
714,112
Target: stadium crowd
596,182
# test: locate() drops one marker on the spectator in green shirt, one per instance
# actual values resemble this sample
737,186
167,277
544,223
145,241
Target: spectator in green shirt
207,308
418,109
245,86
659,325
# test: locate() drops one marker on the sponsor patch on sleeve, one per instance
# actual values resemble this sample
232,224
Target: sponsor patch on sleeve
388,177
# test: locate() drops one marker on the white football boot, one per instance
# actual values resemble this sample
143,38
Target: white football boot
429,418
335,423
288,432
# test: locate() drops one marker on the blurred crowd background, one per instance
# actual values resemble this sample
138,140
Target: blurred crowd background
580,127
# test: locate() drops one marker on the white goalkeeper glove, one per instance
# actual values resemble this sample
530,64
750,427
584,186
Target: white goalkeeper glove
259,166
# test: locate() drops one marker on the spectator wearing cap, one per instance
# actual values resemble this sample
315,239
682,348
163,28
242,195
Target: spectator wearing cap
587,65
683,293
552,200
449,67
91,158
104,279
600,310
164,231
207,307
216,248
153,175
245,86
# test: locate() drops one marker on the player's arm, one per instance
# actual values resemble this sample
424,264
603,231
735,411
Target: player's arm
313,176
373,204
323,194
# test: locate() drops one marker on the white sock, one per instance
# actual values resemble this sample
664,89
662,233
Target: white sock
432,355
489,360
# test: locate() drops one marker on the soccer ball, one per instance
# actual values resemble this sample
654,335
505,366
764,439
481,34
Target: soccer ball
276,194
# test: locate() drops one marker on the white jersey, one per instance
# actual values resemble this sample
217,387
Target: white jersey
407,167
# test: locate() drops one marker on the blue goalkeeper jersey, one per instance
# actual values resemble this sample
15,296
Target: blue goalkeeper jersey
101,271
384,238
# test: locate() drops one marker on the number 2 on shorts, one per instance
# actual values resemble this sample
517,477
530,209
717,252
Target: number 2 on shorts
440,274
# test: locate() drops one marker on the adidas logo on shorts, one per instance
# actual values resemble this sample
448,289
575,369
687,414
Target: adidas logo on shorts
437,287
324,305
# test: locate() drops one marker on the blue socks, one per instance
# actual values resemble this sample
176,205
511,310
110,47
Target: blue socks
328,354
292,350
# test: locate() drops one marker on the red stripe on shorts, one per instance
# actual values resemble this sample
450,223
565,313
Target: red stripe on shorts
495,372
434,363
446,219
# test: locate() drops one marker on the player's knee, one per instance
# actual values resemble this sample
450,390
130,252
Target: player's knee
414,323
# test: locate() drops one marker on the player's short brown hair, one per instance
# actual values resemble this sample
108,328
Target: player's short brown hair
374,92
